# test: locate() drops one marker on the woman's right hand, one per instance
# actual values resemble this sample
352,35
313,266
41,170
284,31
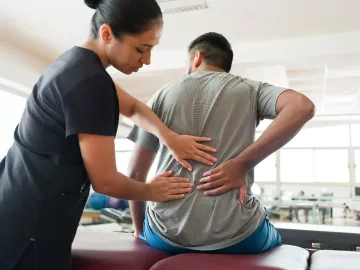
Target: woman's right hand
164,188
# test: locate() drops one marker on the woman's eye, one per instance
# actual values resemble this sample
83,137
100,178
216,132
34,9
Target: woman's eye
140,50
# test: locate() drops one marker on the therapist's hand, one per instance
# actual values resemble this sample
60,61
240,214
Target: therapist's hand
227,176
184,147
165,188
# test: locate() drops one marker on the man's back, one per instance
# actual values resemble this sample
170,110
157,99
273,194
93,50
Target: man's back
227,109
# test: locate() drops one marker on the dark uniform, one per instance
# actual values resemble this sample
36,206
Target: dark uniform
43,182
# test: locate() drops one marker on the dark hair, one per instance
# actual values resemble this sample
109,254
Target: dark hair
215,48
125,17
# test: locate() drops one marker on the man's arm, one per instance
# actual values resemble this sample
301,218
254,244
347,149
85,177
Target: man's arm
140,163
293,111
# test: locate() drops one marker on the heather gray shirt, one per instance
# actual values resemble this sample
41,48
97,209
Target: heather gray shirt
226,108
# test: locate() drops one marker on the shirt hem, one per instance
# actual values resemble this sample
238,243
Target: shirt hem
222,245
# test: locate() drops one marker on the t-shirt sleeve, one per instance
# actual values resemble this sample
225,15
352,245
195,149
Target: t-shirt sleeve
267,97
90,108
143,138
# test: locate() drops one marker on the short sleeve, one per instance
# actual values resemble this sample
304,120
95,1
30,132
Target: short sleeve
90,108
143,138
266,100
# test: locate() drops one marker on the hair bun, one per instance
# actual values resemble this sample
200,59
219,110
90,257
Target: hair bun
92,3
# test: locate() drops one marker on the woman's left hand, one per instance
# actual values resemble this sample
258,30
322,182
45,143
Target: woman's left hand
184,147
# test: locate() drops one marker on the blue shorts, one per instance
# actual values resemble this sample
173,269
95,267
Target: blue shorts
265,237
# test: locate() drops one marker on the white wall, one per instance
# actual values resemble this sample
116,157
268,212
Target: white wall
19,66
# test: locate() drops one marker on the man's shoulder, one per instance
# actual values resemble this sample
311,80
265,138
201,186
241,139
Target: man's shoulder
179,83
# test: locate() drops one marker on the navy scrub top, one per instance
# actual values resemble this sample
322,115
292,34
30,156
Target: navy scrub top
43,182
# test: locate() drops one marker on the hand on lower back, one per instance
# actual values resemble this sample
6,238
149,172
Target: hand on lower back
184,148
227,176
165,188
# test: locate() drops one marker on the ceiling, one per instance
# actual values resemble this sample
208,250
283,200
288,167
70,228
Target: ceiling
310,46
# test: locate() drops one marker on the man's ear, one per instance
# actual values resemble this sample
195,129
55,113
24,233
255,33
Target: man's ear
198,59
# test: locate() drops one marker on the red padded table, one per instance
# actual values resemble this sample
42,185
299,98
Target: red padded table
283,257
335,260
112,251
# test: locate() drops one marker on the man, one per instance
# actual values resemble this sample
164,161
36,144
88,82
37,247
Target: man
220,214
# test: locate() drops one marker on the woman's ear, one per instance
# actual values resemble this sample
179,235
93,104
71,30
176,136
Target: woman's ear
106,33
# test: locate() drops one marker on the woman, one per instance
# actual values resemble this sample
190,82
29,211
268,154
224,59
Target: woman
65,139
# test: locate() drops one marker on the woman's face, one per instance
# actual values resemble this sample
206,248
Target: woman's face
130,52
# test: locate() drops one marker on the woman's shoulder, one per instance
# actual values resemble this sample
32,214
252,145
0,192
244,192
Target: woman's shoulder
74,67
80,62
72,72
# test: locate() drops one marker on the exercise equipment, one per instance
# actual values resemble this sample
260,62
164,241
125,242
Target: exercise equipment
97,201
116,215
117,203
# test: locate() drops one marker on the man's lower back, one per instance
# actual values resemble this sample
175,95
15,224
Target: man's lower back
201,222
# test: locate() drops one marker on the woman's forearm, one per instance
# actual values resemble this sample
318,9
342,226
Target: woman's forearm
146,119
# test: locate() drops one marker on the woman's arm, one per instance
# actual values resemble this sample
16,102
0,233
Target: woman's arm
182,147
98,153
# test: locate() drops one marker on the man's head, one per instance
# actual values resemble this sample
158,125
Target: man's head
211,50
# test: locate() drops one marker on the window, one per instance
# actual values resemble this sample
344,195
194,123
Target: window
122,164
266,170
152,171
124,144
322,137
11,110
124,149
122,161
355,134
296,165
331,166
357,164
309,165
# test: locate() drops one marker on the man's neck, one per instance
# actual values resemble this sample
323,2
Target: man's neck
209,68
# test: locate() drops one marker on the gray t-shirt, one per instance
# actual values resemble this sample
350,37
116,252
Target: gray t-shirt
226,108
